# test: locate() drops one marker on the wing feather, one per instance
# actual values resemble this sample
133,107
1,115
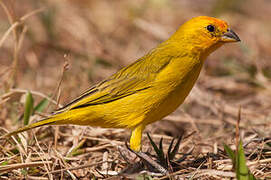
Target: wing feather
136,77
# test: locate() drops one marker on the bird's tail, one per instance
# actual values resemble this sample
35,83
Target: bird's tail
47,121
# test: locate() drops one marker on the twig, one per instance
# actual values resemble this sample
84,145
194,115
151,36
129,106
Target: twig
78,167
22,165
46,158
58,94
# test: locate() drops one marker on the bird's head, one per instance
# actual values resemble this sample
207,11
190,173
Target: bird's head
204,34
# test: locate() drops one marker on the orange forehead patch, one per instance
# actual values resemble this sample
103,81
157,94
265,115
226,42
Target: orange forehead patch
218,22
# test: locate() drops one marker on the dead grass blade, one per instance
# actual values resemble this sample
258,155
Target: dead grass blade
22,165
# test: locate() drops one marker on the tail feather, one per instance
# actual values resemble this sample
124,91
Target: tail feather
47,121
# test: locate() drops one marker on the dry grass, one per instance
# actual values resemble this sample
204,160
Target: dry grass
97,38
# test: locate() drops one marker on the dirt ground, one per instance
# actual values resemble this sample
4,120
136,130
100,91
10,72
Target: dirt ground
58,49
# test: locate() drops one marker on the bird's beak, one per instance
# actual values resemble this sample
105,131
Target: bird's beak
230,36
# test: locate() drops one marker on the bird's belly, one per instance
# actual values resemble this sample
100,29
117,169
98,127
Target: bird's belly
173,97
166,106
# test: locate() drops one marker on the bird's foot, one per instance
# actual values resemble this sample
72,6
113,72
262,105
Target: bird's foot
147,160
128,155
160,163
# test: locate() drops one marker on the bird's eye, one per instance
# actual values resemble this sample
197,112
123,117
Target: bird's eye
210,28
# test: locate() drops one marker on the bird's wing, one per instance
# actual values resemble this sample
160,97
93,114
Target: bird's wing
129,80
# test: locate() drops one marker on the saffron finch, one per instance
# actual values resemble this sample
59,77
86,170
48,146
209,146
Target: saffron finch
150,88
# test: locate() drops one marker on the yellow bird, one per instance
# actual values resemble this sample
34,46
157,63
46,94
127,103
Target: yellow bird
150,88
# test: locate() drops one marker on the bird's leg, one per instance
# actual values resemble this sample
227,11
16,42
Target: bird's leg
135,149
135,139
135,144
